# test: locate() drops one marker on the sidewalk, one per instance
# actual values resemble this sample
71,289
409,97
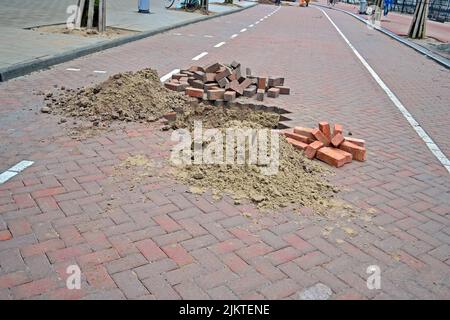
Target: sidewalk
19,45
399,23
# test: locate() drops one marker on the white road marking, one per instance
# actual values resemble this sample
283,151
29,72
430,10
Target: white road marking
99,71
251,26
22,165
234,36
208,36
219,44
243,30
5,176
416,126
72,69
167,76
177,34
262,19
14,170
257,22
201,55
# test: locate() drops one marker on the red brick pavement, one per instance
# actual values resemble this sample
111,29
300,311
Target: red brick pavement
155,240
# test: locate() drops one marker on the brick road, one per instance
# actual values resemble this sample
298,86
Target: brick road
156,241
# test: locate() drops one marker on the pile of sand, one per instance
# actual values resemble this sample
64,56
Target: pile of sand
216,117
125,96
299,181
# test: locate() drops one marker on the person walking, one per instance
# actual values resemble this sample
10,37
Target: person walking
387,7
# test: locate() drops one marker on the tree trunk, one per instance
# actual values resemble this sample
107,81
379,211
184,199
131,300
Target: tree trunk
417,29
79,13
90,19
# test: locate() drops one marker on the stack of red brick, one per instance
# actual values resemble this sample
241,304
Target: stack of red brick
221,82
332,148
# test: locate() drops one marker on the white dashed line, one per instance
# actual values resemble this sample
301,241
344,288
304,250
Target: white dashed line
13,171
72,69
177,34
167,76
256,22
243,30
99,71
234,36
251,26
219,44
208,36
201,55
416,126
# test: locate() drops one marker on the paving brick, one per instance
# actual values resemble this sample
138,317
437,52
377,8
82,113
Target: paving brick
178,254
280,289
216,278
19,227
42,247
222,293
283,255
199,242
5,235
68,253
311,259
150,250
130,285
272,239
334,157
128,262
97,258
184,273
235,263
248,283
13,279
160,288
254,250
34,288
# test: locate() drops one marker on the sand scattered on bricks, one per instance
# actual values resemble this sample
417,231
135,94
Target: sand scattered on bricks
130,96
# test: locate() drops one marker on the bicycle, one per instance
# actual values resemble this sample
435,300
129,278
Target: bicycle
188,5
331,2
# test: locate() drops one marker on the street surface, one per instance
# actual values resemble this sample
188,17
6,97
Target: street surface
158,242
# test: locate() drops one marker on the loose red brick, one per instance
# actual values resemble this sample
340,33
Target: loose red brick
234,85
223,83
297,144
215,94
196,68
307,132
321,137
337,129
358,142
223,74
200,75
210,77
209,86
197,84
337,140
213,67
5,235
284,90
229,95
358,153
334,157
250,91
170,116
178,76
194,92
262,83
260,94
275,81
311,149
273,92
325,128
179,87
246,83
298,137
